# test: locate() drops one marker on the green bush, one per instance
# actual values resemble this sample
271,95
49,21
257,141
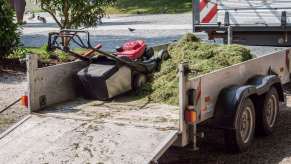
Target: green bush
9,34
76,13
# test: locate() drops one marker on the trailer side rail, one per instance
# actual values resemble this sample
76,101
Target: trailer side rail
256,23
208,86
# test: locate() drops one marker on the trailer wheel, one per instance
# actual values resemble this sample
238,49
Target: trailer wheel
239,139
267,116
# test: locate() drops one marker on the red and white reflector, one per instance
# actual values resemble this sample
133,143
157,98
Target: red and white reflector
190,116
24,101
208,11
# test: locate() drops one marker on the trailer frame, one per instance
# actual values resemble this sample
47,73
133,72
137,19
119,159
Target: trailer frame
53,85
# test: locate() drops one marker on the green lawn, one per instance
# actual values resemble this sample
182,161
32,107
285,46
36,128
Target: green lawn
43,53
151,6
139,6
31,6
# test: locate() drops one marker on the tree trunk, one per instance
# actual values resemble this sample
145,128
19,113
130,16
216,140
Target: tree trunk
66,8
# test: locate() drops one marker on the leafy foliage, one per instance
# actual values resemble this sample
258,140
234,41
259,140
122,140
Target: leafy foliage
19,53
45,56
76,13
9,34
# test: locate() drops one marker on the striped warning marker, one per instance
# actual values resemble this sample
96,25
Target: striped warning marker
208,11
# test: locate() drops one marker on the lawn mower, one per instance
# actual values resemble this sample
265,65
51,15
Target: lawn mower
108,74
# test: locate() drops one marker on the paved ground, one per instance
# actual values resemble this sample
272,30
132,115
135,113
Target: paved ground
274,149
12,86
155,29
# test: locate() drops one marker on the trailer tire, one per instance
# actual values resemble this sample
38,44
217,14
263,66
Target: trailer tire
268,113
241,137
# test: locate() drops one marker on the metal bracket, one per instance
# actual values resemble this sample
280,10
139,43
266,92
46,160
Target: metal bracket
42,101
271,71
284,19
229,35
226,19
195,13
183,127
194,137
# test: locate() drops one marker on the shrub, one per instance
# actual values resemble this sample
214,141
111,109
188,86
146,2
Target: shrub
76,13
9,34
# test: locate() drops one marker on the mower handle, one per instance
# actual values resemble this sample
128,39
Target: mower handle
72,33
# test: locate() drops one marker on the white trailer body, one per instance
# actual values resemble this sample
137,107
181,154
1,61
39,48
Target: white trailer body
248,22
264,12
65,129
241,12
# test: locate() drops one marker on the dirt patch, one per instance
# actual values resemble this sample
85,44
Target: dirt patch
12,86
12,65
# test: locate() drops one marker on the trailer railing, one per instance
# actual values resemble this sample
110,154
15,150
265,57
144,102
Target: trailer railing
200,5
254,23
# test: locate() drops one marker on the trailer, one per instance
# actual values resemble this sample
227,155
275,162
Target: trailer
63,128
242,100
248,22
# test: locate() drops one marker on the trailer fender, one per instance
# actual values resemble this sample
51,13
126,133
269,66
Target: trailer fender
264,83
227,105
230,97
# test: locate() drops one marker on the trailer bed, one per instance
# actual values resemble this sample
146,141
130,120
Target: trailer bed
92,131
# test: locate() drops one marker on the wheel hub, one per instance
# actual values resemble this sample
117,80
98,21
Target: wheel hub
246,125
271,111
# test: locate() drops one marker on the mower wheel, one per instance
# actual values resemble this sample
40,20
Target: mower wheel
149,52
164,54
138,81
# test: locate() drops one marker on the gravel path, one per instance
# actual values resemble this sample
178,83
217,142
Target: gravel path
273,149
12,86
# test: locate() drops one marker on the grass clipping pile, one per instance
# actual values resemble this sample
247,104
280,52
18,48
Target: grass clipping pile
202,58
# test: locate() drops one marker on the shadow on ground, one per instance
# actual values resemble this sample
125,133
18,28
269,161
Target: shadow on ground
41,25
10,76
123,23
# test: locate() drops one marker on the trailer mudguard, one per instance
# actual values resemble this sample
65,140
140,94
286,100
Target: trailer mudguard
227,103
264,83
230,98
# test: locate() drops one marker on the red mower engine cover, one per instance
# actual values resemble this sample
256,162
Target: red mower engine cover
132,49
